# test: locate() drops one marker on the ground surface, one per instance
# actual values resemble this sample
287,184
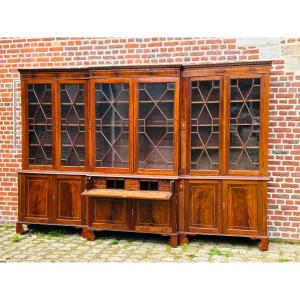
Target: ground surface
56,244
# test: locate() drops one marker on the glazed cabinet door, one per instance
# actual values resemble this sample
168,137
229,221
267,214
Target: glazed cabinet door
204,113
37,122
112,125
244,207
36,198
203,207
157,125
153,216
70,205
72,119
109,213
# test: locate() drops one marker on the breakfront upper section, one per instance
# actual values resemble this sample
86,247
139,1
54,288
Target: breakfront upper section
148,120
115,120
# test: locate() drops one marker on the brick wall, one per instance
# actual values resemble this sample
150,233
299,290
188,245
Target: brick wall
284,134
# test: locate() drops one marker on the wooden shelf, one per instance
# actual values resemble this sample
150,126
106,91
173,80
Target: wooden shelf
115,193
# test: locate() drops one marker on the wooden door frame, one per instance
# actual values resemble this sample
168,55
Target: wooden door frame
263,134
57,124
113,170
25,124
187,102
176,81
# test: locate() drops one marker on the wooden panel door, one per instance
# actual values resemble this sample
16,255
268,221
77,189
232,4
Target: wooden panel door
244,210
36,198
70,205
153,216
204,207
106,213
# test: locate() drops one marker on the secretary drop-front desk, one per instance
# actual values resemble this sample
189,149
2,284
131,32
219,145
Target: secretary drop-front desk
172,150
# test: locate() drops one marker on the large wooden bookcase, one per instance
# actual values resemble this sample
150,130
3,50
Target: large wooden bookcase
173,150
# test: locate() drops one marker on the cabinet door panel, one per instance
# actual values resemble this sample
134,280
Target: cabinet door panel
72,123
153,216
112,125
39,118
244,142
110,213
70,204
204,209
157,125
205,124
37,197
243,208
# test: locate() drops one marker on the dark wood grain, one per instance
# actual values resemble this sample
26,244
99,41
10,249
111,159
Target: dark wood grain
243,206
70,205
205,207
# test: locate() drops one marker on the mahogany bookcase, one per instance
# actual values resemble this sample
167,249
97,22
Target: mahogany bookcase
173,150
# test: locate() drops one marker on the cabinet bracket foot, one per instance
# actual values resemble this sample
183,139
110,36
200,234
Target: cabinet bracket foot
264,244
84,232
88,234
182,239
19,228
173,242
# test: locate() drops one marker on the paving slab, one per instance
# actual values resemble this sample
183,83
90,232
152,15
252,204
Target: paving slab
44,244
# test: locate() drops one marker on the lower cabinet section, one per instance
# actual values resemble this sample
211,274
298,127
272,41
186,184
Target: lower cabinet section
224,207
188,207
51,199
135,205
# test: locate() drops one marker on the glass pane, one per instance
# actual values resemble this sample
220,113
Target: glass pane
205,125
156,122
112,125
244,124
40,124
72,124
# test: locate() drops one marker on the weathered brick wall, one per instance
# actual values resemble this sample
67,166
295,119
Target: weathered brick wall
284,134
